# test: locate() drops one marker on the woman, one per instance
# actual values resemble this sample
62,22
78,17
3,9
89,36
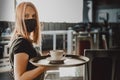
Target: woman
26,33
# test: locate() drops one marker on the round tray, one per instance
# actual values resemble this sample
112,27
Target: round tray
70,60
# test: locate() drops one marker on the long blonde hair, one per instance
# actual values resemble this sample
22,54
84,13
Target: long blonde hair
20,28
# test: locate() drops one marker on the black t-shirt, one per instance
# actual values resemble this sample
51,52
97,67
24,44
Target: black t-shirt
22,45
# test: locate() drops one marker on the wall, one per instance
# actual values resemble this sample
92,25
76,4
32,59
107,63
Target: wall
107,9
88,11
6,10
113,15
70,11
50,11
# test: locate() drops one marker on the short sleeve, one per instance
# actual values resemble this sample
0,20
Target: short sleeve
22,45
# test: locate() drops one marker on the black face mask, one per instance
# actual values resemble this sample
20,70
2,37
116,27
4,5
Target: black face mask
30,24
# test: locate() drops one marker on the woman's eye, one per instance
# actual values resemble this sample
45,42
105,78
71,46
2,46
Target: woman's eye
34,16
26,15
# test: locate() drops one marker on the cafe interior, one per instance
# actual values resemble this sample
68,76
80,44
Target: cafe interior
88,28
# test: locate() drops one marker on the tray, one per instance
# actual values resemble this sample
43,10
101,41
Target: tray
70,60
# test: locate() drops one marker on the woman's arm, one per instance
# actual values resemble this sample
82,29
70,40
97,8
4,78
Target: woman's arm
20,65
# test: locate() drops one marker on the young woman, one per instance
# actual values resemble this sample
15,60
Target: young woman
26,33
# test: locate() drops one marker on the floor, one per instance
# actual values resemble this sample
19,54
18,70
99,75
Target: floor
71,73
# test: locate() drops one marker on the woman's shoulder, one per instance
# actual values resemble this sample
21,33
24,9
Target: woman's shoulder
20,45
21,40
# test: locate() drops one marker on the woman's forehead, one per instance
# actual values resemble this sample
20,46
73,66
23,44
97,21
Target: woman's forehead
29,9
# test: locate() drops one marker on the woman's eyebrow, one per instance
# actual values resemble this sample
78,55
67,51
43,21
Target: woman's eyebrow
26,15
34,15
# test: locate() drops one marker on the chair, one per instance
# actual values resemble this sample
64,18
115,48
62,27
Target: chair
67,38
4,62
103,64
6,51
83,41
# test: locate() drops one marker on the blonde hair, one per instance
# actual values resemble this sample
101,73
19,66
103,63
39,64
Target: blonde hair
20,28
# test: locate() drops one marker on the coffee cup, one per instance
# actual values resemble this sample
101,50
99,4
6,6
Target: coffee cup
56,54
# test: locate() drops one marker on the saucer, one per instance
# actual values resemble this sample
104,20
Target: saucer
52,61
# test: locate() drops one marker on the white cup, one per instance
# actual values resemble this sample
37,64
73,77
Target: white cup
56,54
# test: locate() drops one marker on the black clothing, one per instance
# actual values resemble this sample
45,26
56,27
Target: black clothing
23,45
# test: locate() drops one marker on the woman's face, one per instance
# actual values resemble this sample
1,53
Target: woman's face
30,19
29,13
